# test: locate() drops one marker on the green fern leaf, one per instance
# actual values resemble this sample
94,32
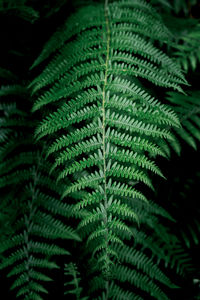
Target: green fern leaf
103,125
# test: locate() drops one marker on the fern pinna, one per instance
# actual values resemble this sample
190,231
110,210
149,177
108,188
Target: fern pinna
102,123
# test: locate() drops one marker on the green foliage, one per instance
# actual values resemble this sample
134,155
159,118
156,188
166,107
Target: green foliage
106,102
29,224
183,5
187,50
188,109
141,262
82,135
74,283
19,8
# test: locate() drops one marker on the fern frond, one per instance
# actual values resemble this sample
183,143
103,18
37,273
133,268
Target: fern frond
103,125
187,51
74,283
20,8
188,109
27,248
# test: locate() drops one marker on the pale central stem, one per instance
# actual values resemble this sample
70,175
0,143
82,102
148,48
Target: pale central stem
103,103
104,132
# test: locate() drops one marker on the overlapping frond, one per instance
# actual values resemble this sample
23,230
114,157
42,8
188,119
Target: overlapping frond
31,224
